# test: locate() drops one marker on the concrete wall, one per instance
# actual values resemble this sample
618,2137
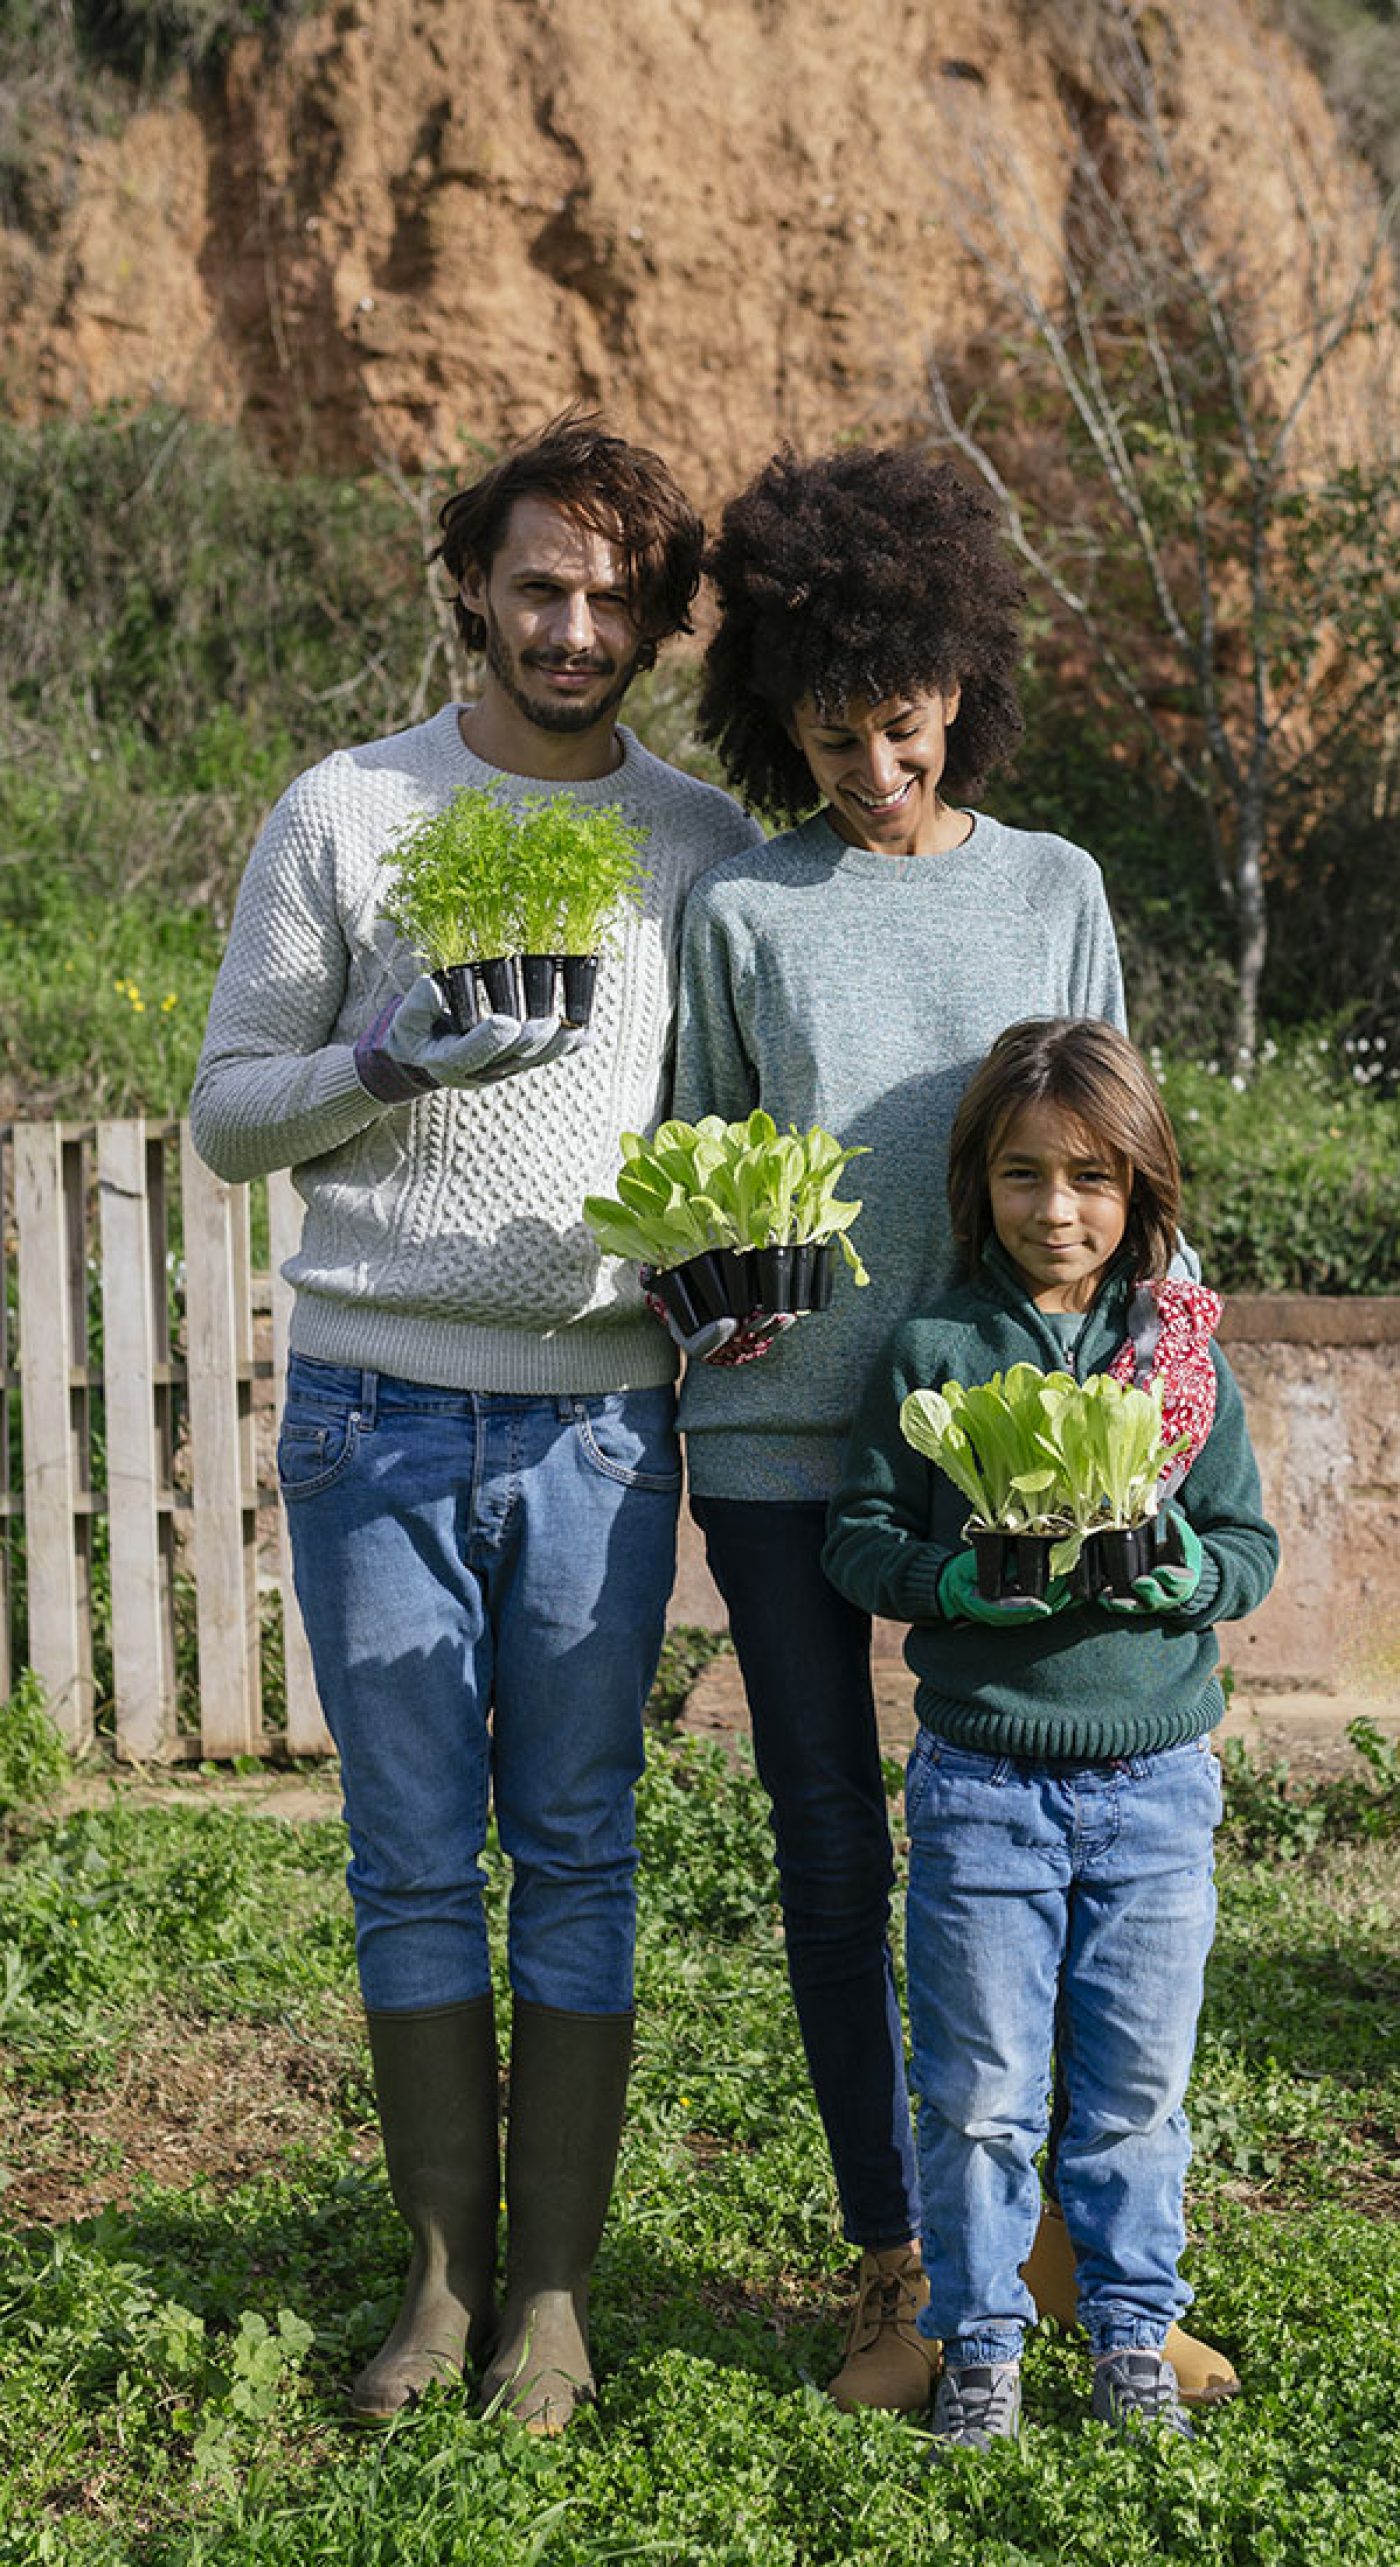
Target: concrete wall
1321,1381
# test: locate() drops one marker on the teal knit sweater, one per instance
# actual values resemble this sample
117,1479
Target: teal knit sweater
1083,1686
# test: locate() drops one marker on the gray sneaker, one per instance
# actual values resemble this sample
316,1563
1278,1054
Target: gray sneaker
977,2403
1132,2390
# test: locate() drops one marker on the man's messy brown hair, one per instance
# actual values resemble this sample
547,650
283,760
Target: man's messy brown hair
623,492
868,573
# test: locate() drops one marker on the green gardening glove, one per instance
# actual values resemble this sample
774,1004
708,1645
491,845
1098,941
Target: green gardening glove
959,1600
1173,1582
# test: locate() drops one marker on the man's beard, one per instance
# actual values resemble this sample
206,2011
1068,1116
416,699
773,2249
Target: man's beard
547,715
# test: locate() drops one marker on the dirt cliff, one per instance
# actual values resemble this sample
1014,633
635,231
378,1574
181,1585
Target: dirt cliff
417,227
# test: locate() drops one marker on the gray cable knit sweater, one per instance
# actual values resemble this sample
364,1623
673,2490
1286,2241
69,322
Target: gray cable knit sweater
443,1239
860,991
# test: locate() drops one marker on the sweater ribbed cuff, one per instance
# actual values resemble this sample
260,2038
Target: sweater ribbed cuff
919,1574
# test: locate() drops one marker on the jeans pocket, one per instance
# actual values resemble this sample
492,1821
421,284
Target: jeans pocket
631,1439
314,1450
918,1774
968,1764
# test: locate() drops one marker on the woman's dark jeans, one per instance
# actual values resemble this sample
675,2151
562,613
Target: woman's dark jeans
805,1657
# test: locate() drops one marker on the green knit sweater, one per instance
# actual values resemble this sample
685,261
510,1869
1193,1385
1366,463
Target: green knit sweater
1083,1686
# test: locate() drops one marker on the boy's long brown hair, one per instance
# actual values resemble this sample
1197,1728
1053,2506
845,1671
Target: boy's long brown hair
1092,1072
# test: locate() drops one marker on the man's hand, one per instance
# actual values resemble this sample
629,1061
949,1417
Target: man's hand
959,1599
1173,1581
411,1048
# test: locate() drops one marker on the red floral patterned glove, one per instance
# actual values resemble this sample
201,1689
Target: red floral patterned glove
724,1341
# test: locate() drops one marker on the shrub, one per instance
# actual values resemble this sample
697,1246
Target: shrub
1292,1177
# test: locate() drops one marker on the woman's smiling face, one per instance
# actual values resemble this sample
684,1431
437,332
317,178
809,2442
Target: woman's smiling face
879,766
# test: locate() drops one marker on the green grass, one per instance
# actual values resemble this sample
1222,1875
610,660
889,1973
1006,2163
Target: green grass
171,2365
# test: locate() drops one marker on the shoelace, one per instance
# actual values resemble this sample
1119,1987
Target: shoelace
979,2400
1142,2386
887,2300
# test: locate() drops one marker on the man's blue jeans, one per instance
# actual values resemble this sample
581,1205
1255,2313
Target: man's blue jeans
1091,1886
458,1556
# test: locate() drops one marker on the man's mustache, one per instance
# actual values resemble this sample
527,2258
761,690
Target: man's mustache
578,665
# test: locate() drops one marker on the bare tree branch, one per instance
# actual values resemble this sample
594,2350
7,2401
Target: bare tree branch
1225,544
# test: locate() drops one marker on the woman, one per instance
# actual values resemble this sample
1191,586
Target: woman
853,971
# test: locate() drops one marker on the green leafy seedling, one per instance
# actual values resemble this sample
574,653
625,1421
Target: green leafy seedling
712,1184
452,892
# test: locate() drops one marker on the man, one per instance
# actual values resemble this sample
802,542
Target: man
478,1452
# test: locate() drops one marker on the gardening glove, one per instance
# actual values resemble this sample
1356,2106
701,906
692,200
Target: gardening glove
757,1335
960,1601
1173,1582
720,1341
411,1048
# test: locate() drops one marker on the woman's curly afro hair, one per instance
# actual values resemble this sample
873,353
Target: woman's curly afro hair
867,573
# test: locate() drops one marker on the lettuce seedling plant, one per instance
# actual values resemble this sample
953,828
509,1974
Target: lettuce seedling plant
1041,1453
713,1184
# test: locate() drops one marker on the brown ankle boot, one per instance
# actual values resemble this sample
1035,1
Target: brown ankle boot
1203,2376
888,2363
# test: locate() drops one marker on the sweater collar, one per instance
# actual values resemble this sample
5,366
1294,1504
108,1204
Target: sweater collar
598,788
1104,1320
899,872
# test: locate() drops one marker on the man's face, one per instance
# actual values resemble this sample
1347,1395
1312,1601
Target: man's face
561,640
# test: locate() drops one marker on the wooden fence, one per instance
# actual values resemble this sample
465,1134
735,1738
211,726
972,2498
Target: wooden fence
144,1358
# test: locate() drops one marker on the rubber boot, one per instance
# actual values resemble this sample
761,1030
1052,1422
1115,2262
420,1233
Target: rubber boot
435,2078
1203,2376
568,2085
887,2363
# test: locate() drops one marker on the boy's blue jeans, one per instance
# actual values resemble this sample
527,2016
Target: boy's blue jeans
483,1581
1090,1887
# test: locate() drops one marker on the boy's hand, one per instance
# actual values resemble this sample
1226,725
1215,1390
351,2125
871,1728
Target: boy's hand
1172,1583
959,1599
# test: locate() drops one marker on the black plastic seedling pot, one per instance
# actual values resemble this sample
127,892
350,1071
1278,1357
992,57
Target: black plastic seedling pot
709,1286
500,978
461,995
772,1278
1113,1557
736,1266
538,977
671,1285
730,1283
580,974
1011,1564
813,1274
717,1284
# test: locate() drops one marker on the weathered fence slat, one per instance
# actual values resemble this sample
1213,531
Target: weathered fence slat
133,1298
7,1664
53,1414
307,1734
219,1334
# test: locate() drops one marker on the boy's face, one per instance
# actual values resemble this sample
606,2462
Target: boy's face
1059,1204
